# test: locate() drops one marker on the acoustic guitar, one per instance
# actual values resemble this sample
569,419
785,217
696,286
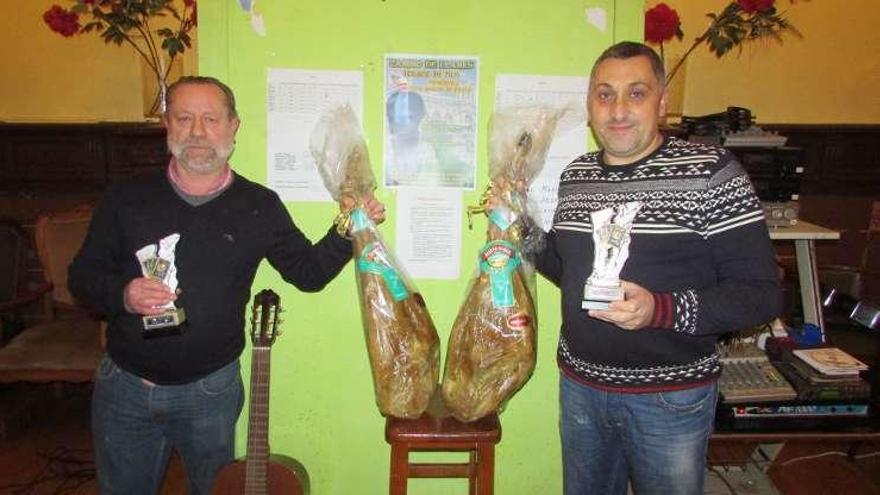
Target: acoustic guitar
261,473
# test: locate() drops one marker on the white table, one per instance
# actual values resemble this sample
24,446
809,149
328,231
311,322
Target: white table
803,234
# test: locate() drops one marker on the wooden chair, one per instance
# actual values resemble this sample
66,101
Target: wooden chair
437,431
15,295
66,347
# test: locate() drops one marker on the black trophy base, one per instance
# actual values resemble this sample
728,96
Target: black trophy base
156,333
166,324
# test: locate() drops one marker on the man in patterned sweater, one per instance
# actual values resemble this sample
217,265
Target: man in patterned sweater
638,380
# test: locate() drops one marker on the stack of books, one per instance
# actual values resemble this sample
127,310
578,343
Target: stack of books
825,373
831,361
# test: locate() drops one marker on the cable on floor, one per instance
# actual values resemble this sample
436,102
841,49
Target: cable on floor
69,468
826,454
717,472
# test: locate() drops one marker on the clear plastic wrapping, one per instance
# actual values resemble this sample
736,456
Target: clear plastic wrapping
402,342
491,352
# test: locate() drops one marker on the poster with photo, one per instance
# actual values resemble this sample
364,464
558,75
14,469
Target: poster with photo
430,137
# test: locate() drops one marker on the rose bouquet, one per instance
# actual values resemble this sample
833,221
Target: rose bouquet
739,22
158,30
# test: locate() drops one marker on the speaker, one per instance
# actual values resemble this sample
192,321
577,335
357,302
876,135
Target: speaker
781,214
775,171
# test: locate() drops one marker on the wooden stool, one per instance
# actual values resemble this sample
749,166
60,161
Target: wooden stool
438,432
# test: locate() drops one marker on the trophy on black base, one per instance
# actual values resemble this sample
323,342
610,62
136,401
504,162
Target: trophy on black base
157,263
611,236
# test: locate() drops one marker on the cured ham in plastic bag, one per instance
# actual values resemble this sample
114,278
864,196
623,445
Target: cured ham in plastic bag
491,352
402,343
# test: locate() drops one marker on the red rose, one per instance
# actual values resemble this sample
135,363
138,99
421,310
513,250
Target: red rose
661,23
61,21
194,18
752,6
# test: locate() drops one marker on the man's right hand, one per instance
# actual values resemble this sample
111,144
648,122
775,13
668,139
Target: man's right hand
146,296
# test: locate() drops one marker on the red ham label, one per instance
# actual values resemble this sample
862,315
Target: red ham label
519,321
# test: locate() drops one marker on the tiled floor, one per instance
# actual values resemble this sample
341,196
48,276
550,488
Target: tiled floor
47,450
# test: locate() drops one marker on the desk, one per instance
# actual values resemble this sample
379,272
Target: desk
769,460
738,447
803,234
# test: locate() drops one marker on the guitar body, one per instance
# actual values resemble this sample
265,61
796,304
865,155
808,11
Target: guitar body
260,472
284,476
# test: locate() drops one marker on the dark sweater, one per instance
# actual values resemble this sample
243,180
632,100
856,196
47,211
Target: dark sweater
221,245
699,243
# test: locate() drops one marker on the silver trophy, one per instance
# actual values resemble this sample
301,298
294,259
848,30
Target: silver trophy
157,263
611,236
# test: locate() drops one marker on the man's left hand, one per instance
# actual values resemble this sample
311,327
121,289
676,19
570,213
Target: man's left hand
633,313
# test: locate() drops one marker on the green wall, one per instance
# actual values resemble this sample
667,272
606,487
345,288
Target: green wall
322,404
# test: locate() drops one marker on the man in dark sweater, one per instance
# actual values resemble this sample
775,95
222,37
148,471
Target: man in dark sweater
184,391
638,379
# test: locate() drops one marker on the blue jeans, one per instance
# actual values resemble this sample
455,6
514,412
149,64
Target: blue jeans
655,441
135,425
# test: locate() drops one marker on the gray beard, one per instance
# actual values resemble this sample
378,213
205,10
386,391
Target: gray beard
221,156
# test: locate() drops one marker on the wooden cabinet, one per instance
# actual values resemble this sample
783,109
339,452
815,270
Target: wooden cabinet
839,159
83,157
134,151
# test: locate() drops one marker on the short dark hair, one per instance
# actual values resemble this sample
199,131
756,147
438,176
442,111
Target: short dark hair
205,80
630,49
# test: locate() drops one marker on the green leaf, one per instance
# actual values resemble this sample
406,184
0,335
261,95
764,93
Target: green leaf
723,47
735,33
173,46
732,9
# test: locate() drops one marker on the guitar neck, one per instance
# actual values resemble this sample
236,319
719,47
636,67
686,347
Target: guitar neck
258,424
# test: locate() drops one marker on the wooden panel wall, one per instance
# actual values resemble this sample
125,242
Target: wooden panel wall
50,167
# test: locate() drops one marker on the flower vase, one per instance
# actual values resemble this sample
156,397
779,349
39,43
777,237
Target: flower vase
154,89
675,93
154,100
155,84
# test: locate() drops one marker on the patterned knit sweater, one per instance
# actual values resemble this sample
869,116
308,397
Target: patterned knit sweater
699,243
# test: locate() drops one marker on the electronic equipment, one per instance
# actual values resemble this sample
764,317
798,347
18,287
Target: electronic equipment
861,312
801,410
774,169
776,174
734,119
751,380
753,136
777,390
793,416
813,386
747,375
810,384
781,213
